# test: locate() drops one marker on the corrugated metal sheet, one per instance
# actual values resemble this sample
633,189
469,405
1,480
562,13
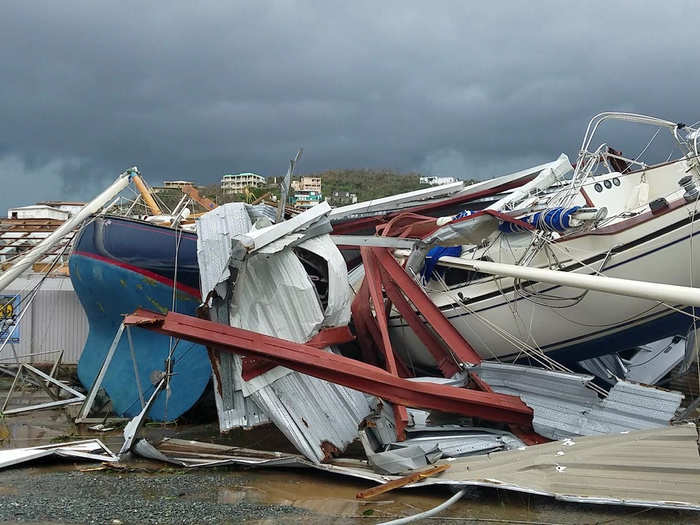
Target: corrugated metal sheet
215,231
318,417
55,321
393,202
462,442
89,449
655,468
337,312
608,368
262,210
272,294
186,453
564,407
234,409
654,360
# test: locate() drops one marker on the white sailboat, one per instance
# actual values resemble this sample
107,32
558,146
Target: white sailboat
612,216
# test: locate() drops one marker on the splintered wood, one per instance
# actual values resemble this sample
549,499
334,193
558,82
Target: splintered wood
401,482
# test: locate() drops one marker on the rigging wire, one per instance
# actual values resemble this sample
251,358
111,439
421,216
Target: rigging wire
695,340
648,144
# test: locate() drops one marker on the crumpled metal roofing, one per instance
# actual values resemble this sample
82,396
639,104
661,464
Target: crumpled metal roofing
337,311
318,417
564,407
652,468
452,439
461,442
271,293
233,408
400,459
88,449
257,211
215,232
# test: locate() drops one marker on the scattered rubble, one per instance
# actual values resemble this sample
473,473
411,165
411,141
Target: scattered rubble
376,359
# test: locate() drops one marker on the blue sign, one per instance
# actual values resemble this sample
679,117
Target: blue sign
9,311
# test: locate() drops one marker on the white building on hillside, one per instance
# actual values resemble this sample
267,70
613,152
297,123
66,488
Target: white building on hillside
236,183
177,183
437,181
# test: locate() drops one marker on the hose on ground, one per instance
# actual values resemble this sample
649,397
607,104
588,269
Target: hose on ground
427,513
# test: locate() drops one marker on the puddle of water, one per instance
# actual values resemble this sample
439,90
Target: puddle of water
334,497
303,490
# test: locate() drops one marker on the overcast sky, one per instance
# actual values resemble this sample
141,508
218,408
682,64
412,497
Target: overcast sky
462,89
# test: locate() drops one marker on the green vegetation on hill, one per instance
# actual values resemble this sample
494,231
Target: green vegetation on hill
215,193
367,183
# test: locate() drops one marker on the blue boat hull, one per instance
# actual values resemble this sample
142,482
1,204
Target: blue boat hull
119,265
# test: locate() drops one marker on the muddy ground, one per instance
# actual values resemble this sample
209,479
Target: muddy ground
148,492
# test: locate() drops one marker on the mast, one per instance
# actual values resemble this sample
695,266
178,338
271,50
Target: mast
44,246
668,293
146,194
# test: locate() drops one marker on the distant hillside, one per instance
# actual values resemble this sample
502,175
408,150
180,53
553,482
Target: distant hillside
367,183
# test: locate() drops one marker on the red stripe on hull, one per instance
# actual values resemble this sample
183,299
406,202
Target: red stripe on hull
146,273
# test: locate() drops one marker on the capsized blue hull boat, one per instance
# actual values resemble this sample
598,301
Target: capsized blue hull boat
118,265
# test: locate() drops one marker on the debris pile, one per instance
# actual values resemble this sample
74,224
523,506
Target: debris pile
442,354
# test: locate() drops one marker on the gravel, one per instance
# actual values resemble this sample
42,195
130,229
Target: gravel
114,498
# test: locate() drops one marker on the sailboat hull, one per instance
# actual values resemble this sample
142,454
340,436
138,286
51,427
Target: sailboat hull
117,266
504,318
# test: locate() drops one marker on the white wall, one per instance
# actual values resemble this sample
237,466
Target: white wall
38,212
55,321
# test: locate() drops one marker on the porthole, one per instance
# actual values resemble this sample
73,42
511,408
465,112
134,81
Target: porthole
598,187
607,183
616,181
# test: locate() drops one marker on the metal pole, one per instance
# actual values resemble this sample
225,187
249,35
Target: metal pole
667,293
136,368
90,399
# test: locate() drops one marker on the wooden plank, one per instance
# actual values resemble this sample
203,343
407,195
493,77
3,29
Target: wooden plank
402,482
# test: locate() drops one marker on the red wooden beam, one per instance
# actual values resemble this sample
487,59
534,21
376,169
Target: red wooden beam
252,367
454,340
365,325
337,369
374,282
443,358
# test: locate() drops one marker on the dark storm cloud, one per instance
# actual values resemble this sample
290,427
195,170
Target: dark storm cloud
194,90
